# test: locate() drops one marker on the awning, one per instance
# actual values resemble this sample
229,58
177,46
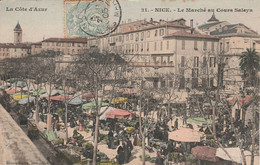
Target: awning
92,105
187,135
88,96
106,109
76,101
59,98
199,120
118,100
53,92
20,84
12,91
19,97
119,114
39,92
234,153
205,153
25,100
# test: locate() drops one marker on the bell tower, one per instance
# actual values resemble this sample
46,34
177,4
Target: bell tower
18,33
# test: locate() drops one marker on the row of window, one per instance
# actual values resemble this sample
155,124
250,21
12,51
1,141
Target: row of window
66,50
162,59
183,81
65,44
137,36
5,54
205,45
3,49
130,48
163,83
212,62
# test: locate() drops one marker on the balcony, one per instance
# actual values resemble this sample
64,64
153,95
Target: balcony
150,64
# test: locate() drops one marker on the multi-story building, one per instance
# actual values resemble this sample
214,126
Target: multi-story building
154,48
16,49
65,45
36,48
234,39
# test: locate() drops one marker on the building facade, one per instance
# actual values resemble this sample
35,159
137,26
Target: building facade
234,39
69,46
164,47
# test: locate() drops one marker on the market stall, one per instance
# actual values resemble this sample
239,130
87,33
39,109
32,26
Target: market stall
119,114
205,153
187,135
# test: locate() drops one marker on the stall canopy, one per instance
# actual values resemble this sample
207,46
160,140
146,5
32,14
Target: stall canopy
88,96
118,100
105,110
53,92
19,93
199,120
205,153
12,91
92,105
38,92
19,97
187,135
59,98
26,99
26,88
20,84
76,101
234,153
119,114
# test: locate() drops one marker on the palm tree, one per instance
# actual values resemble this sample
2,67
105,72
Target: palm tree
249,63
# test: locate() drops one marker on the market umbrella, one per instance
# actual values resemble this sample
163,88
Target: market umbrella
88,96
118,100
205,153
53,92
92,105
25,100
59,98
186,135
234,153
60,91
199,120
12,91
39,91
119,114
19,97
76,101
20,84
17,94
105,110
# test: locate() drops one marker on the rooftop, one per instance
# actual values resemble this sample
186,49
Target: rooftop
17,27
233,29
213,18
208,25
11,45
183,33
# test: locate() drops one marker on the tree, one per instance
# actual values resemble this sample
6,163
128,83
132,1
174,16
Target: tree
99,73
249,63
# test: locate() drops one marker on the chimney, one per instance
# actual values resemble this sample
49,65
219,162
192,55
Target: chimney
191,26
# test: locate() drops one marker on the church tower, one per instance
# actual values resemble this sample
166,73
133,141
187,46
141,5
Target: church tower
18,34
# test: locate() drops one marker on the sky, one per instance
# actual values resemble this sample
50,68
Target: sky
37,25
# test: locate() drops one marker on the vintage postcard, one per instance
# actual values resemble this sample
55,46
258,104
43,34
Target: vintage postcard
161,82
